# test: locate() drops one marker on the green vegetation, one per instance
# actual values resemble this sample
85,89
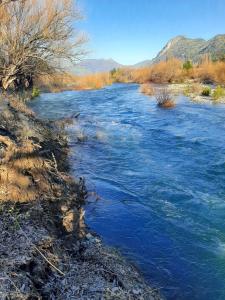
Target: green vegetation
35,92
187,65
206,91
218,93
113,72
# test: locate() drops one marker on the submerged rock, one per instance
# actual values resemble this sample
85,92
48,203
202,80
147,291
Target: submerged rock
81,137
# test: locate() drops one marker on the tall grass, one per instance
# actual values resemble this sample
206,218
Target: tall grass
210,72
173,71
65,81
93,81
170,71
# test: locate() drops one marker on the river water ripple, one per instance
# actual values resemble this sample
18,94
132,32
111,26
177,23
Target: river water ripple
160,179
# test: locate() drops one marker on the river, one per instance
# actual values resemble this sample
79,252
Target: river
159,176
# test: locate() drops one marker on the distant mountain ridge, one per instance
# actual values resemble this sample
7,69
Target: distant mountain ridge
91,66
143,63
192,49
179,47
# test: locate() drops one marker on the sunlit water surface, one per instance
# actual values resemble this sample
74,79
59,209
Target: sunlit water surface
160,178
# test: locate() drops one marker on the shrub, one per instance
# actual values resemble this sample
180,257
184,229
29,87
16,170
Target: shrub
218,93
113,72
166,71
206,91
187,65
210,72
35,92
164,98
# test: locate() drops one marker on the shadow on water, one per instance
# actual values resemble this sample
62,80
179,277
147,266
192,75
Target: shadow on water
160,177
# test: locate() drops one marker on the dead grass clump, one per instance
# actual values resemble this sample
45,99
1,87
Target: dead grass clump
193,89
219,72
147,89
164,98
141,75
210,72
163,72
167,71
20,106
26,174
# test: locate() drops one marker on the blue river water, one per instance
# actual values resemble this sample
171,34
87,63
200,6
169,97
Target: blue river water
159,176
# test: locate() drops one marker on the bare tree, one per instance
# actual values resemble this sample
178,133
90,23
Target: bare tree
3,2
36,37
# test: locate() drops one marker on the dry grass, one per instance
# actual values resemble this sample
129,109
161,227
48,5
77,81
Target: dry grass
147,89
171,71
23,172
65,81
26,174
93,81
20,106
210,72
164,98
141,75
193,88
167,71
163,72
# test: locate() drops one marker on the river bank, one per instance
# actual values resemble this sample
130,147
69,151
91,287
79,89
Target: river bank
46,250
192,90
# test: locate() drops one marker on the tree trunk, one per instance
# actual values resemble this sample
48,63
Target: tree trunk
7,81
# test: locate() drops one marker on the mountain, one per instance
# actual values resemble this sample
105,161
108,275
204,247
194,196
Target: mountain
144,63
192,49
180,47
91,66
215,47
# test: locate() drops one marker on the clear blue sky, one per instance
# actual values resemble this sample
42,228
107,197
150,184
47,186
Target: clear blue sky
130,31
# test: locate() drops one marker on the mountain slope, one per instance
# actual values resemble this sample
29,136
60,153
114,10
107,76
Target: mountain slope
192,49
181,48
215,47
144,63
91,66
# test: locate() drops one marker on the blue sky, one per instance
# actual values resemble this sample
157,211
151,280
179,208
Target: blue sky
130,31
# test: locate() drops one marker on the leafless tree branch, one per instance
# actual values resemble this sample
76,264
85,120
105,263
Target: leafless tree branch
36,37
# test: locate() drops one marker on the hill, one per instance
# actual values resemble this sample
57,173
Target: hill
91,66
179,47
192,49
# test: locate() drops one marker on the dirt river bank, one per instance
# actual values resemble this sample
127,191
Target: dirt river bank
45,250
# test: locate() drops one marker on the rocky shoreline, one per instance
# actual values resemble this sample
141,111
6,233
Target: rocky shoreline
190,89
46,252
